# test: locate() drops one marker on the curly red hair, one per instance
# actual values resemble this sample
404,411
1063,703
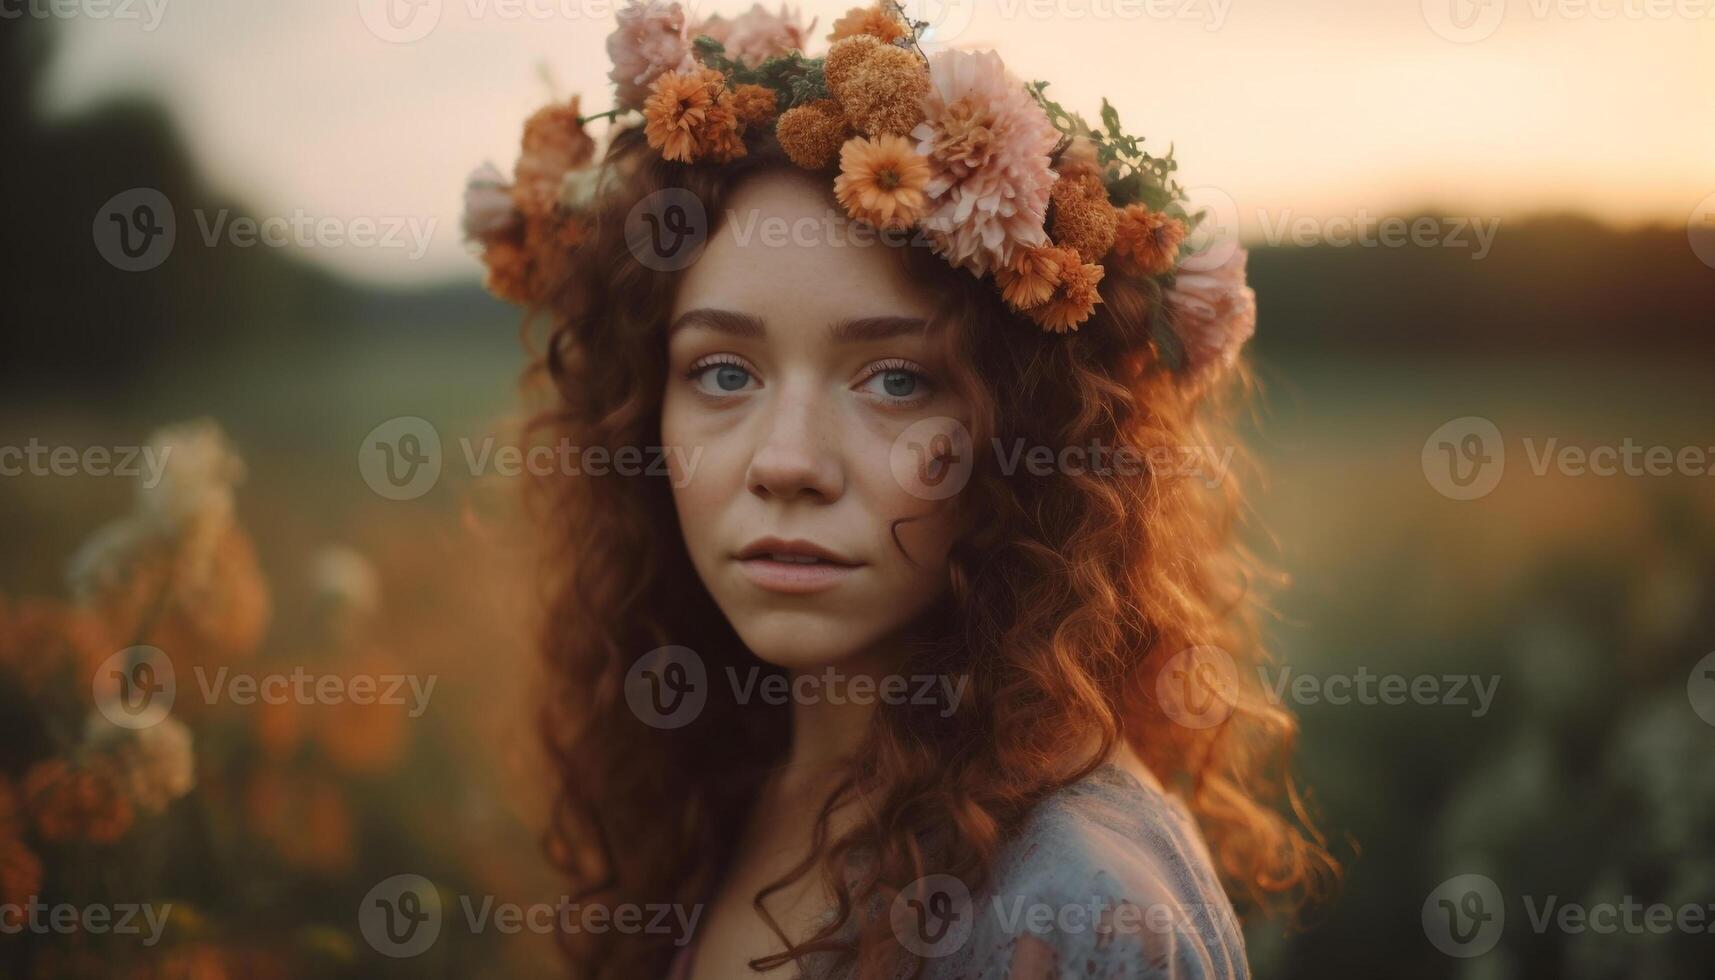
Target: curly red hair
1068,594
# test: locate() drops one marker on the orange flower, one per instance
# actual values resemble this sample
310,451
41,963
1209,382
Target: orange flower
1083,218
876,20
554,142
754,104
811,133
77,803
279,728
881,181
1030,279
20,874
508,269
1146,243
363,739
305,819
884,92
1074,299
690,115
842,60
42,640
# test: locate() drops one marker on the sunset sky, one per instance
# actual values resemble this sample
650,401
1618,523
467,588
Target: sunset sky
1289,108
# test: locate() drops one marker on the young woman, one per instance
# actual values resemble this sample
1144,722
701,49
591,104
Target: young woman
927,650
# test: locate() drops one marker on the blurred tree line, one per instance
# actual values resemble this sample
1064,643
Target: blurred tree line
1559,284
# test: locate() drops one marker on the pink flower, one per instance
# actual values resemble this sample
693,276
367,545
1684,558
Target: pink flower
988,141
757,35
650,39
488,209
1213,312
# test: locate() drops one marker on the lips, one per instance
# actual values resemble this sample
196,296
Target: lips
794,567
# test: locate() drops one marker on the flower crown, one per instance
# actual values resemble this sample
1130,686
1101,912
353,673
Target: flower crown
1002,181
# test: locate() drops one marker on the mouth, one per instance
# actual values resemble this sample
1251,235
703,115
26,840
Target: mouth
794,567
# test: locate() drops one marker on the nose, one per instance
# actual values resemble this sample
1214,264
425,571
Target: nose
797,451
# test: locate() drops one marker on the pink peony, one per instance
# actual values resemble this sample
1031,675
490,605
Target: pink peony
1213,312
651,38
488,209
757,35
988,141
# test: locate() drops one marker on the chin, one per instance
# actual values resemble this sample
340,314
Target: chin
805,639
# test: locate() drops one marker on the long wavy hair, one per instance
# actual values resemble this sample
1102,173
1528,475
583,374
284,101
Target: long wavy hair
1067,594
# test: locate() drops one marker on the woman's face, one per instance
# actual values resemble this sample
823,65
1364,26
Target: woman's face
798,360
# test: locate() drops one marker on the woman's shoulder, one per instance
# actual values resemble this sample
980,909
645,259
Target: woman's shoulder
1108,877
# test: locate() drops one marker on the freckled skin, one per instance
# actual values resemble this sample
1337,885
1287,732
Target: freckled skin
802,449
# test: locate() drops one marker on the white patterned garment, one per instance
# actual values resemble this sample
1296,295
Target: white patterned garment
1109,878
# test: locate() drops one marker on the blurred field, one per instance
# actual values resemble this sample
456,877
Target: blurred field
1587,597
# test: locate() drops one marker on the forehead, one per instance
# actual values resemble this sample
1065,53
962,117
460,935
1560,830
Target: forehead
784,251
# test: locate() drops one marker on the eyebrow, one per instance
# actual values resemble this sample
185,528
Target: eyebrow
852,330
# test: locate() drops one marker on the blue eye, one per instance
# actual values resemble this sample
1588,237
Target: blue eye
900,384
897,383
730,377
721,377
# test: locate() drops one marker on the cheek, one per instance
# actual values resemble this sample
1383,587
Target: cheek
688,458
923,528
